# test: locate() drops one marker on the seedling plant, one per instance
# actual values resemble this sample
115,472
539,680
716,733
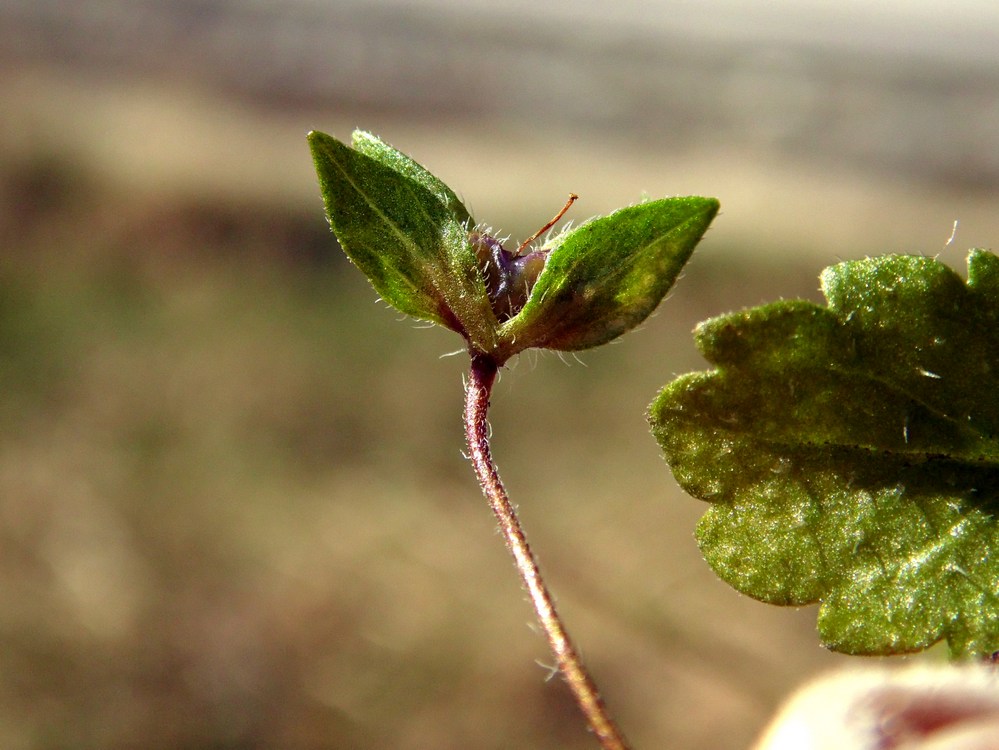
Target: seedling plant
849,452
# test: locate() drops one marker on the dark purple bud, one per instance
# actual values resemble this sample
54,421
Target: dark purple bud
509,277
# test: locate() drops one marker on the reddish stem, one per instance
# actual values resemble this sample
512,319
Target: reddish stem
481,378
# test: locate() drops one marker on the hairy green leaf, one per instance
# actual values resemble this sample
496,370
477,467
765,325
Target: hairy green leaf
406,231
851,453
606,276
377,149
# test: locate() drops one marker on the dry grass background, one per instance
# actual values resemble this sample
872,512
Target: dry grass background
233,507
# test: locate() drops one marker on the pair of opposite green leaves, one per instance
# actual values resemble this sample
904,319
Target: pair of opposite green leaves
416,242
850,452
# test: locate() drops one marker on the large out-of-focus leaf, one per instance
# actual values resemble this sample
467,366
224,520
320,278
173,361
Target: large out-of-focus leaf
407,232
851,453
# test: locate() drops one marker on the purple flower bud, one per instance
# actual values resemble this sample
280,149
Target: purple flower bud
509,277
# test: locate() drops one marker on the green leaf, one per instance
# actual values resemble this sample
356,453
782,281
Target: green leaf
609,274
851,453
377,149
406,231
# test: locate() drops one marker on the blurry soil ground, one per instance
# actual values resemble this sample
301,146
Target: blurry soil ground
233,507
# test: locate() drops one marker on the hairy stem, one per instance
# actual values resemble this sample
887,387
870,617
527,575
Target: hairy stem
480,383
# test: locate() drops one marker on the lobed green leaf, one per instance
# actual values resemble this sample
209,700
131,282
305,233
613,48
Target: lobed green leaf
851,453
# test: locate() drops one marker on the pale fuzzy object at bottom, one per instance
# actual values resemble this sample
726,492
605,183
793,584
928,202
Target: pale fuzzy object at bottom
942,707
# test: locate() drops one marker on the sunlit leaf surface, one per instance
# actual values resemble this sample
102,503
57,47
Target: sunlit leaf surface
851,453
608,275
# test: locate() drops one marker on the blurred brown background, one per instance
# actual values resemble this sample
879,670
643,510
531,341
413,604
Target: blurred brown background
233,507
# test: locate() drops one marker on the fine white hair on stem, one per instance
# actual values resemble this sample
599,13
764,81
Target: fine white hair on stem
551,670
953,233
